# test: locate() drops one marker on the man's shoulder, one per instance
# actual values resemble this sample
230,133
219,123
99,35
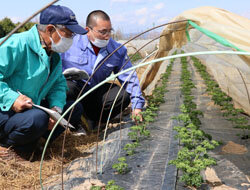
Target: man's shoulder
80,42
20,40
113,45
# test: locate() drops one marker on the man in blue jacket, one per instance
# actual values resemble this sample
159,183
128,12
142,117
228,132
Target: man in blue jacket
31,72
87,53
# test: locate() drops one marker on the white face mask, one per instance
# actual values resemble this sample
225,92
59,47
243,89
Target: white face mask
63,45
100,43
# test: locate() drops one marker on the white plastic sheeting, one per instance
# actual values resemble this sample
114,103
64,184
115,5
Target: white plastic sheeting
232,72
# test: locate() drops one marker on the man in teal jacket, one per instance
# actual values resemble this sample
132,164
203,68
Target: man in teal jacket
31,72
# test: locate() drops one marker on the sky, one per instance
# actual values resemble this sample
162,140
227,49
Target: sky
129,16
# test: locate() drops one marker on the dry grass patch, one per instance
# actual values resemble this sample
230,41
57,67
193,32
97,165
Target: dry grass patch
17,175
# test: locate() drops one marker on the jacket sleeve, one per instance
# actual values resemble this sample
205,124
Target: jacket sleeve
9,59
57,94
132,82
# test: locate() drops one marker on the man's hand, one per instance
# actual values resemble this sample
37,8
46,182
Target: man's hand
21,103
51,121
137,113
51,124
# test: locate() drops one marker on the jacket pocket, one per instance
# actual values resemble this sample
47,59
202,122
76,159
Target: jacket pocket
83,60
106,70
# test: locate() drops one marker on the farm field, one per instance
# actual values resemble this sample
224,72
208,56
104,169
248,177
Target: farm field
148,166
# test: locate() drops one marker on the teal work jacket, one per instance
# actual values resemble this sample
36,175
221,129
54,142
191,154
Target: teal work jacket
26,67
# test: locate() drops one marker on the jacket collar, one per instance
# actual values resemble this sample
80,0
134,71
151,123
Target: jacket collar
35,44
34,41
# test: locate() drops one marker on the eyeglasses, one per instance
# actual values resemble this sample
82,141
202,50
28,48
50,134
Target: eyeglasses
67,34
104,31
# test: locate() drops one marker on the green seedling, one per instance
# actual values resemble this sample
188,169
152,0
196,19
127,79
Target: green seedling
192,163
148,119
134,136
136,128
96,188
184,118
130,148
121,167
110,186
145,133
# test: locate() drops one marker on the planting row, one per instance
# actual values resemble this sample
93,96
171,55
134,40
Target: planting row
224,101
193,156
139,131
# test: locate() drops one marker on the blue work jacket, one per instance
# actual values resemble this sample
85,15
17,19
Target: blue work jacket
26,67
81,55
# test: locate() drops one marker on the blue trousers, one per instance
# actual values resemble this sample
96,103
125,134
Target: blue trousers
23,130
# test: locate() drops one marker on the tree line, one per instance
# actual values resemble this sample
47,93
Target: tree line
6,26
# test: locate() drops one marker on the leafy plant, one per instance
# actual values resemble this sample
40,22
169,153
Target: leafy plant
110,186
133,135
121,167
192,163
130,148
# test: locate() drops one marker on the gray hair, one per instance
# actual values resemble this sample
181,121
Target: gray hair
42,27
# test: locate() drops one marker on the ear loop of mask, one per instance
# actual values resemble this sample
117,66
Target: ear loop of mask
63,45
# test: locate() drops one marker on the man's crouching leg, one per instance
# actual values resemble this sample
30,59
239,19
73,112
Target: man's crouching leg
23,130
